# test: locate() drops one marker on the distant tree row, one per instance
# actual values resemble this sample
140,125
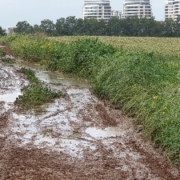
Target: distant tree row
71,26
2,31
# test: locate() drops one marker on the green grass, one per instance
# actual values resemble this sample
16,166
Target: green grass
144,84
1,52
157,45
35,94
145,87
7,60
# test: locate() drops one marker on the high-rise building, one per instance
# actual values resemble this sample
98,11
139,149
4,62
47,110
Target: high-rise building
172,9
176,9
169,8
139,8
116,14
97,9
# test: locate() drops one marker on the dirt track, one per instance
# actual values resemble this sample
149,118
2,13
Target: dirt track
77,137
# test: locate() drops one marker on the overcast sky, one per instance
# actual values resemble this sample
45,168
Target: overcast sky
33,11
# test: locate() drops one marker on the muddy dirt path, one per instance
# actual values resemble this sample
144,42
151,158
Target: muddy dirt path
76,137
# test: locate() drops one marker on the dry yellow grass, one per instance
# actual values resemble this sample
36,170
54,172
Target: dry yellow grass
163,46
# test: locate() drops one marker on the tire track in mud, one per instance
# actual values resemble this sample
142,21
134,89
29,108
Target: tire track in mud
76,137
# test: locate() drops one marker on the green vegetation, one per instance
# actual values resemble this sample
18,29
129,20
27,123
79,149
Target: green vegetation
8,60
35,94
143,84
1,52
4,59
162,46
133,26
2,31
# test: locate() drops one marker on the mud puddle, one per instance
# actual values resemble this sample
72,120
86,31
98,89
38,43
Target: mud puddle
76,137
56,78
10,87
106,133
10,97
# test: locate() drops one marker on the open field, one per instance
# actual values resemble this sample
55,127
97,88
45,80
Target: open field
163,46
141,77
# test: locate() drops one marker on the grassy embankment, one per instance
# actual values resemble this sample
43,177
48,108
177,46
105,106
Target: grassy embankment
143,84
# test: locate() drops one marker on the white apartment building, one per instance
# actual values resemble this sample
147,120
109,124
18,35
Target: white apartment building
169,8
172,9
176,6
139,8
117,14
10,30
97,9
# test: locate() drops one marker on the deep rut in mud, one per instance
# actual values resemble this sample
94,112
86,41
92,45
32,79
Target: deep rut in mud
76,137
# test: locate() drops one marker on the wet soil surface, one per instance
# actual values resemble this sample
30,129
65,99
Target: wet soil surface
75,137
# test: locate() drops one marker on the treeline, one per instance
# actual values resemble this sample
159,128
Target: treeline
2,32
72,26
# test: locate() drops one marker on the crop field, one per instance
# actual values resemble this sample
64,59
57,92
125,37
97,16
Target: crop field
140,76
163,46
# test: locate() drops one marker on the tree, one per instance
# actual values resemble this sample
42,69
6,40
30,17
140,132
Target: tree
169,28
23,27
132,26
115,27
101,28
48,27
36,29
79,27
70,25
2,32
60,26
177,27
91,26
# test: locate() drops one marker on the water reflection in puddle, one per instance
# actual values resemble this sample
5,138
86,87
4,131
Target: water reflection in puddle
60,78
10,98
106,133
56,77
3,74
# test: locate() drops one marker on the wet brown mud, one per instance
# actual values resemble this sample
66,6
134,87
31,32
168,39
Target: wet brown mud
76,137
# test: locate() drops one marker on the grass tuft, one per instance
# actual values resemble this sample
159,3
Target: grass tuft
1,53
35,94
